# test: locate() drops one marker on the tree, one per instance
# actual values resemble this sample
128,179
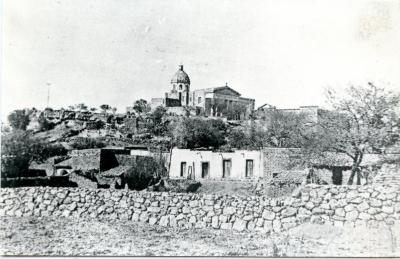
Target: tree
105,107
156,122
235,112
19,149
141,106
278,129
363,121
19,119
196,133
93,109
114,110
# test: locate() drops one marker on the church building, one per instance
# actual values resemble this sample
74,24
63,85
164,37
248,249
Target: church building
213,101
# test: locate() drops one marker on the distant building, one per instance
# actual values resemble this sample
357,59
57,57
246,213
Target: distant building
311,113
211,101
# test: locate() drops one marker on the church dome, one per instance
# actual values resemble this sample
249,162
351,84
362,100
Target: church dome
180,76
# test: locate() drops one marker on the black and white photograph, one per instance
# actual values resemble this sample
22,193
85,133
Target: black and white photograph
234,128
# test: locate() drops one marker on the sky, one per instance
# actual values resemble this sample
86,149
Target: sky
285,53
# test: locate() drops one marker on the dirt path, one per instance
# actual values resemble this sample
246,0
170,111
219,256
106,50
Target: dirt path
49,236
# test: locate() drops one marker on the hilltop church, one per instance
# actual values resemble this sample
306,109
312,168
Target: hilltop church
211,101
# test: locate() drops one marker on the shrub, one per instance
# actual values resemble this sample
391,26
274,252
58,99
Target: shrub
86,143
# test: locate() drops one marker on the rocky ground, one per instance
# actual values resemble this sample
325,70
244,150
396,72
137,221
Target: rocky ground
66,236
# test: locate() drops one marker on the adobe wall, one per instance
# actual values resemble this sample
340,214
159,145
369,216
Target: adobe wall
337,205
278,160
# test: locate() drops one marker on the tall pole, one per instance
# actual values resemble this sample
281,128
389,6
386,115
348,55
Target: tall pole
48,94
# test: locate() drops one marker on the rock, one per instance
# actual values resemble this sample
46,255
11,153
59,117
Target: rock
172,221
349,207
61,195
194,203
357,200
209,202
388,209
248,217
200,224
164,220
144,217
268,215
155,204
351,215
192,219
226,226
325,206
268,226
223,218
208,208
288,212
30,205
73,206
375,203
277,226
259,222
194,211
66,213
277,209
251,225
309,205
239,225
154,209
214,222
364,216
373,211
229,210
185,210
180,216
340,212
135,217
362,206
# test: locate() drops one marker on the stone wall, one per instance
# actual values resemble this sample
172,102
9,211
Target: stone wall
337,205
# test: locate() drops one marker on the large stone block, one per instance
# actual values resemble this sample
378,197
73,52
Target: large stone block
388,209
277,225
229,210
239,225
268,215
164,221
351,215
215,222
289,212
226,226
362,206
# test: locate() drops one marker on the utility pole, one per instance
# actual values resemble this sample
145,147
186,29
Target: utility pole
48,94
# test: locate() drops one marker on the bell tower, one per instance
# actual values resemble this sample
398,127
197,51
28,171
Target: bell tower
180,83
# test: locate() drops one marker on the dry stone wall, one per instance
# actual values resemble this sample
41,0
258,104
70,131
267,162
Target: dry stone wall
337,205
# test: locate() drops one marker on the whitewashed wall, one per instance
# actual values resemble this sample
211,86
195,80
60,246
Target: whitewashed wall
194,158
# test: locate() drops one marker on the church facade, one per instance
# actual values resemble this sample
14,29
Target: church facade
213,101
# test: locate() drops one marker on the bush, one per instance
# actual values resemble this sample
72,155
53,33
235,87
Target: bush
87,143
19,149
19,119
